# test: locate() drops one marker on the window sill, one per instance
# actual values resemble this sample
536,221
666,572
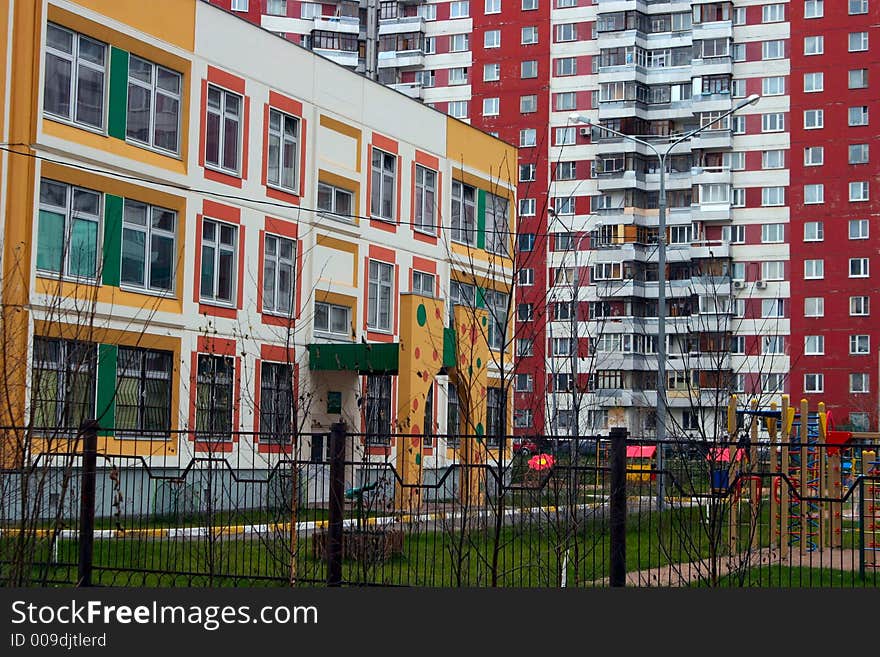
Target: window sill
333,337
153,149
76,280
341,218
147,292
228,305
422,231
222,171
102,131
283,190
383,331
280,315
391,222
470,245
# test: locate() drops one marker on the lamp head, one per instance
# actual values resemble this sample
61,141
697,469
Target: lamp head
751,100
579,118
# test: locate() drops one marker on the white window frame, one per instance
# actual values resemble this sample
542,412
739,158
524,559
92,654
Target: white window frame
859,268
384,184
220,247
224,114
814,268
284,139
814,306
279,263
332,309
77,62
814,345
379,292
425,200
155,90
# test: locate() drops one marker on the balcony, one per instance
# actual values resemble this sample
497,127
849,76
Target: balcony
712,66
341,24
401,25
712,140
411,89
344,57
713,30
720,102
402,59
710,175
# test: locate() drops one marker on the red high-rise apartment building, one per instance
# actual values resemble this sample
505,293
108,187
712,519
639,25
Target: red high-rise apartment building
835,199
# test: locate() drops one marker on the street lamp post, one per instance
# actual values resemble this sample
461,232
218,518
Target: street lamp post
661,266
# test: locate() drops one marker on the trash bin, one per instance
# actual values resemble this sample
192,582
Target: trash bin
720,480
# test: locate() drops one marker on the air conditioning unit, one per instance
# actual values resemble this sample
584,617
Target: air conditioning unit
761,284
738,285
585,132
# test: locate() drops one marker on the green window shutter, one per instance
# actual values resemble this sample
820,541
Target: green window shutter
112,239
106,406
481,297
118,93
481,219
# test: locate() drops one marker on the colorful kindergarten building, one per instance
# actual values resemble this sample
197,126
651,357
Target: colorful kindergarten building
208,248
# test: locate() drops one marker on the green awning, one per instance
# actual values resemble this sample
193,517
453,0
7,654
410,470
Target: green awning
374,358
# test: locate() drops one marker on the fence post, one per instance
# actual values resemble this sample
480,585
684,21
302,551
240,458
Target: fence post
618,506
89,432
337,501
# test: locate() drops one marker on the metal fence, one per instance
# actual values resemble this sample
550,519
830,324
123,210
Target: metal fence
340,509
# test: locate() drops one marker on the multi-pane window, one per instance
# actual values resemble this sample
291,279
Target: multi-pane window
491,106
858,7
495,424
774,122
529,69
772,382
859,344
566,32
426,78
814,8
814,268
76,69
219,261
457,75
459,42
858,115
814,45
492,39
529,5
380,295
525,312
333,319
814,193
814,156
771,196
814,231
566,66
63,383
492,6
773,270
565,101
528,104
153,116
738,344
527,172
491,72
858,191
276,7
858,78
858,229
523,382
772,308
223,129
858,268
524,346
425,200
527,207
773,13
773,49
772,233
68,230
738,197
148,246
858,382
457,109
526,277
276,403
858,154
565,136
527,137
566,170
814,345
279,257
774,86
814,119
814,82
452,414
283,156
497,225
773,345
459,9
143,390
384,174
858,41
463,210
814,382
525,241
734,234
814,306
772,159
377,409
859,306
214,397
497,303
335,200
529,35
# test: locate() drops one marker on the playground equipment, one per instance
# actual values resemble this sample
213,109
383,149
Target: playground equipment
641,460
812,468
